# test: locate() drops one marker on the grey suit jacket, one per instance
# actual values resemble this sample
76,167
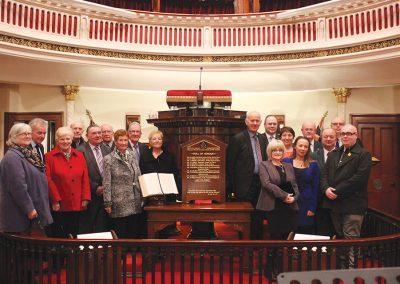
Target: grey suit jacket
142,148
270,179
95,178
121,185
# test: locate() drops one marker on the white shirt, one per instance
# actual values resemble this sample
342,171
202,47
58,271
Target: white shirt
270,137
326,154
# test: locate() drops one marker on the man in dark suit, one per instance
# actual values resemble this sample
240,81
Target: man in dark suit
243,159
308,129
94,219
107,134
271,128
39,130
344,184
77,140
134,133
323,220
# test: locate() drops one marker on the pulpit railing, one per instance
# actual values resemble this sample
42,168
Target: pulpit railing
30,260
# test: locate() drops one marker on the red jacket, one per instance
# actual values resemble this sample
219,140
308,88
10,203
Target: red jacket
68,180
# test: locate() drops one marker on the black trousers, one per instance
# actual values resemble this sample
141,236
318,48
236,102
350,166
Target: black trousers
65,223
127,227
257,216
94,219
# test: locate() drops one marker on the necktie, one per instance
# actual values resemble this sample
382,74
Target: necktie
258,151
39,150
136,152
270,138
99,158
326,155
337,144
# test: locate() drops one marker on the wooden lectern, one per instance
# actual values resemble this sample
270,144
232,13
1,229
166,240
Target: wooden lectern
192,118
186,121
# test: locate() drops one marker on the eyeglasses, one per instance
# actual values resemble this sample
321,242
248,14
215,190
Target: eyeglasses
24,134
337,123
347,133
277,150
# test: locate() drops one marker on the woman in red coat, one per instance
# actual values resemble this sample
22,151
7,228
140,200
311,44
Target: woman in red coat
68,180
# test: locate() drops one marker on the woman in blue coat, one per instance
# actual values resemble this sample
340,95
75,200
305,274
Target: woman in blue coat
24,194
307,177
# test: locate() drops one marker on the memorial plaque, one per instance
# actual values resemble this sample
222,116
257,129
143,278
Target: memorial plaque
203,169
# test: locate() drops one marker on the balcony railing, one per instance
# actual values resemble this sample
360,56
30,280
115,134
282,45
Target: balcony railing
96,27
25,260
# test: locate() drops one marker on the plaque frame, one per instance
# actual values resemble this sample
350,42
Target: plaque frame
203,151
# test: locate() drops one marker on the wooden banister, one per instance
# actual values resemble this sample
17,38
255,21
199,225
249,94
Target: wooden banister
26,259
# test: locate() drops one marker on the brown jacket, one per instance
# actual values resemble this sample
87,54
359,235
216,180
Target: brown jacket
270,179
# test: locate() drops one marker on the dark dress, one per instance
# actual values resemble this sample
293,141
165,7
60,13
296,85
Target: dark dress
308,182
164,163
282,211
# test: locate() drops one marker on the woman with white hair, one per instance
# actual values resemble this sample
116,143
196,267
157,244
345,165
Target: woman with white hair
24,200
68,181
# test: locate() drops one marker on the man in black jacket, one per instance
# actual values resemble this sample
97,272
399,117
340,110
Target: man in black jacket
77,128
344,184
323,223
243,165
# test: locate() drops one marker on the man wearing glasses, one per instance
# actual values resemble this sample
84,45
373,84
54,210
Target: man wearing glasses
344,184
337,124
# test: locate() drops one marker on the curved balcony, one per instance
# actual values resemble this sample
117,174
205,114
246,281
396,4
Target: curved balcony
324,45
26,260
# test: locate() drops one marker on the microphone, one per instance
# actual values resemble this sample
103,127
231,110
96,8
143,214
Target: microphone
201,72
199,92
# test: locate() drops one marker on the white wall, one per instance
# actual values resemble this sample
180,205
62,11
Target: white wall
385,100
111,106
296,106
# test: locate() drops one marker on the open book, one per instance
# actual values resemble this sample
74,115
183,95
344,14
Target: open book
157,184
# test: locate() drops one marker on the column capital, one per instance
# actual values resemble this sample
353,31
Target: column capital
70,92
342,94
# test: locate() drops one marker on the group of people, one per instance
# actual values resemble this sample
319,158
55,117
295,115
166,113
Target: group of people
80,186
309,184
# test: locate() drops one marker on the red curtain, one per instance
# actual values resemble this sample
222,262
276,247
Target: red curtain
204,6
197,6
277,5
144,5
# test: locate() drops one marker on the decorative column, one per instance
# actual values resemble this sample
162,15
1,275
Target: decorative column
70,92
341,95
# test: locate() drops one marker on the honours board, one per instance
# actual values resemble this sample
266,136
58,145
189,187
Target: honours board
203,169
